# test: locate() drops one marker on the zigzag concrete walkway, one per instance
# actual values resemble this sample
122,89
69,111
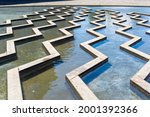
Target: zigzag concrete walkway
14,84
139,79
74,78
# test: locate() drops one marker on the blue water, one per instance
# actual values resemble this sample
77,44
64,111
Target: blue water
141,32
136,29
72,56
112,80
148,79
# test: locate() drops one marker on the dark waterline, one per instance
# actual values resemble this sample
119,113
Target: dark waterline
8,2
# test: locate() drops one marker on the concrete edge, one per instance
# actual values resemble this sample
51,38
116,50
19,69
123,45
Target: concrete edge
73,77
53,54
139,79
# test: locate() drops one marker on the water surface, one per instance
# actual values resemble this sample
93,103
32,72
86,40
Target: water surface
110,81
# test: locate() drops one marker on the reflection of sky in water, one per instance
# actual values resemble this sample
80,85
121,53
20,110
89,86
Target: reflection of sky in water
72,57
137,29
140,31
110,81
148,79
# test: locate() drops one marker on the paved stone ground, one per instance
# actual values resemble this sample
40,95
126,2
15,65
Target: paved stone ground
93,2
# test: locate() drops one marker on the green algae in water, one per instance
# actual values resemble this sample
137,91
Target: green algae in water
70,52
19,22
34,16
51,17
17,33
37,86
21,54
40,23
31,50
50,83
2,30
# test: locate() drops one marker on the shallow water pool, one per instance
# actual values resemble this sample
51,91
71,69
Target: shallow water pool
109,81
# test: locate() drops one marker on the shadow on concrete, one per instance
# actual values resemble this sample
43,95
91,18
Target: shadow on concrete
9,2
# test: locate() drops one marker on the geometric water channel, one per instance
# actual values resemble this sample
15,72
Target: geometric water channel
67,53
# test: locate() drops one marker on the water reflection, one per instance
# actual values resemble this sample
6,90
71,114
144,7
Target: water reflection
113,80
141,32
110,81
148,79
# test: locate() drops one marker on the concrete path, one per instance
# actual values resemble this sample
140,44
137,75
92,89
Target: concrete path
92,3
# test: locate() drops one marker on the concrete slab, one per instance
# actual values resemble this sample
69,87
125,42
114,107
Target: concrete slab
14,89
85,94
73,77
